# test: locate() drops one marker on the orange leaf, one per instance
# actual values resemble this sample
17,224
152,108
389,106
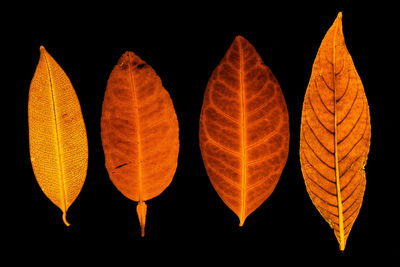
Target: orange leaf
57,135
244,129
335,135
139,132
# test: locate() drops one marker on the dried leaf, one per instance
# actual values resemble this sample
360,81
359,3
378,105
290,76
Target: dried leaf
244,129
335,135
139,131
57,134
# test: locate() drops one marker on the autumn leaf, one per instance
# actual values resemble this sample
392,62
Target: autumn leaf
335,135
244,129
57,134
139,131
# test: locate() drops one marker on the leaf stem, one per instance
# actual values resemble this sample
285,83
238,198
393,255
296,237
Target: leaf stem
64,217
141,210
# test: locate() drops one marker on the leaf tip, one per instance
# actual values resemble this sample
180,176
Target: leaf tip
342,244
42,49
129,58
241,221
239,37
128,54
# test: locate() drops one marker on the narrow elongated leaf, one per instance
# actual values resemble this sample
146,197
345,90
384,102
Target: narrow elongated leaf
57,134
139,132
335,135
244,129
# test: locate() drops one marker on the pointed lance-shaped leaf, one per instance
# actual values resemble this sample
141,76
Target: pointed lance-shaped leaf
57,134
335,135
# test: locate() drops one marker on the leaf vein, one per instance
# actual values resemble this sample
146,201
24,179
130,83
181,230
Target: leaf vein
316,137
266,137
312,150
323,176
316,116
350,109
356,143
221,112
346,89
352,192
319,95
354,125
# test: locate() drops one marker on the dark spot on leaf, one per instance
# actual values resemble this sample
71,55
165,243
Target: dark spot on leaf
124,66
122,165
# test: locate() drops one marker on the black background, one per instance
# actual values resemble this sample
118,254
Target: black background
188,221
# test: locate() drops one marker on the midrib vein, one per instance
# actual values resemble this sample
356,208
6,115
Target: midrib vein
60,160
338,190
138,140
243,135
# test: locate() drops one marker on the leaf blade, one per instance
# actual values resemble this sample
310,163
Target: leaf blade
139,131
335,131
57,134
244,122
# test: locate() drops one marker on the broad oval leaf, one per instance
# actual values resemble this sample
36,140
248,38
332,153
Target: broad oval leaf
139,132
335,135
57,135
244,129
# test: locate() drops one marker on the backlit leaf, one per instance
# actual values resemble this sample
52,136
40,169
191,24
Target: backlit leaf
139,132
244,129
57,134
335,135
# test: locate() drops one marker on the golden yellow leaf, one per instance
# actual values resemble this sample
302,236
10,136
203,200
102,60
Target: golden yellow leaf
335,135
57,134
